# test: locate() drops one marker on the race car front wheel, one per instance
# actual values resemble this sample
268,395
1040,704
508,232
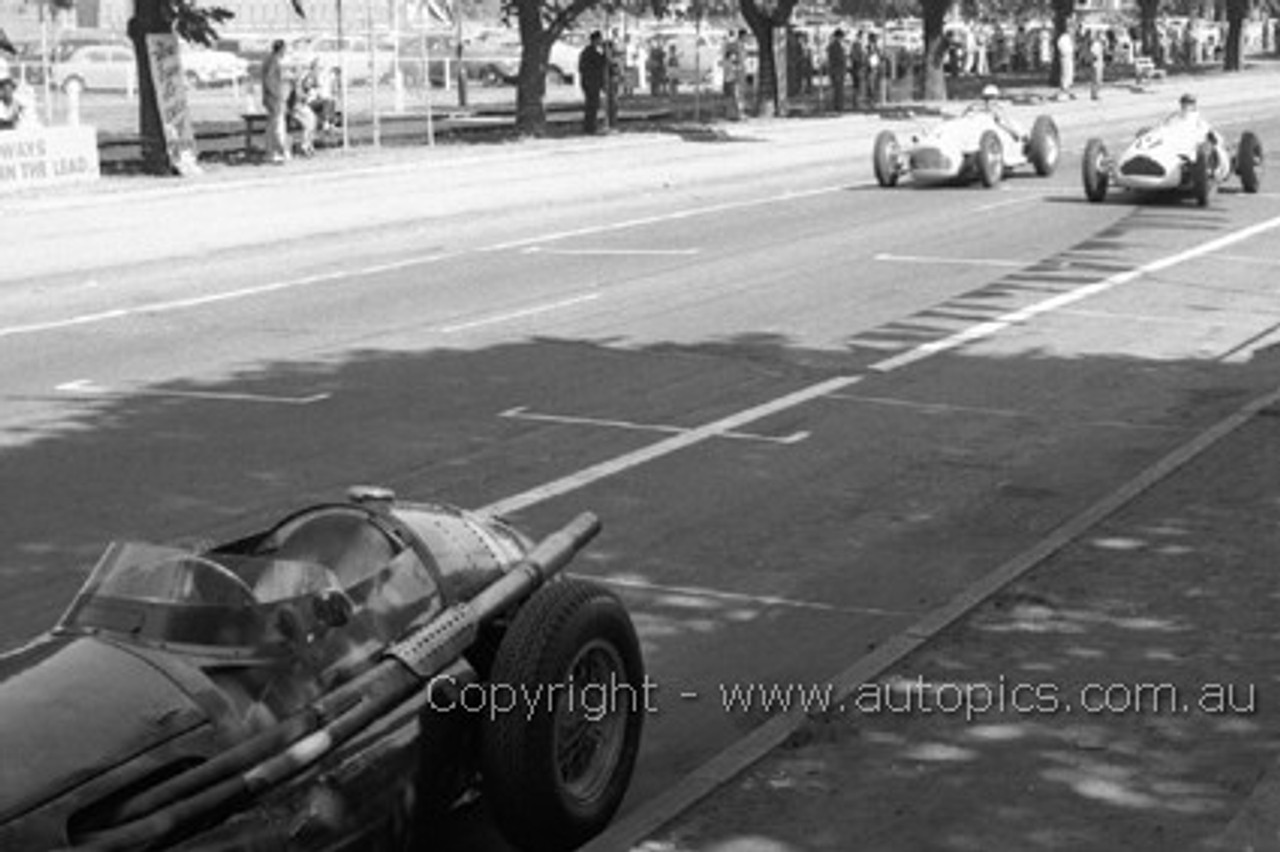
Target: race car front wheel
569,682
990,159
885,158
1249,162
1044,146
1093,170
1201,179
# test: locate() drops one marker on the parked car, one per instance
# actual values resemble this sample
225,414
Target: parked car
349,55
205,67
104,67
336,680
428,57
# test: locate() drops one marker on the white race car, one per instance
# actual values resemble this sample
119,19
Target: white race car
981,143
1181,154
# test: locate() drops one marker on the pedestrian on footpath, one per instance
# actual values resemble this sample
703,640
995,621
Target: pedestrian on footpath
1067,61
1097,56
837,68
592,63
275,96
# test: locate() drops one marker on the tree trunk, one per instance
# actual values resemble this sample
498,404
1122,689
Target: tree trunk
147,18
1147,12
935,49
766,72
1236,11
531,87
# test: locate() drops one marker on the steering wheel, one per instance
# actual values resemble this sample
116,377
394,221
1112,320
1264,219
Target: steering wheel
221,571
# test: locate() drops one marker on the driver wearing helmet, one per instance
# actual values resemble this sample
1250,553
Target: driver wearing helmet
1189,112
991,104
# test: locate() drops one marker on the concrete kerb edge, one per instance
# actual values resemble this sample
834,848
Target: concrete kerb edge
651,816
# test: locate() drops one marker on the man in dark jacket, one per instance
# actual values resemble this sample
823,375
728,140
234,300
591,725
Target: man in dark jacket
591,71
837,67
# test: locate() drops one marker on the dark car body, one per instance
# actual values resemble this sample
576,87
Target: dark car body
276,692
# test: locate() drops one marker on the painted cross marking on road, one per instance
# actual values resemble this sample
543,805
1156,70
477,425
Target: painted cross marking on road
522,412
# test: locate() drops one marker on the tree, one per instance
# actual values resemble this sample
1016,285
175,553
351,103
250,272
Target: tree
1147,12
1237,11
763,21
540,22
934,13
190,22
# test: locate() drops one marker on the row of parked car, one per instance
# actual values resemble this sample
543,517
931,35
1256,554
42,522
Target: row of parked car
104,61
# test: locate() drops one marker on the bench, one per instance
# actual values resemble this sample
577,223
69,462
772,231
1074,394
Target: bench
1144,68
256,122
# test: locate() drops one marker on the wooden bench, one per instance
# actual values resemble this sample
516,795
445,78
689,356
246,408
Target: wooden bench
1144,68
256,122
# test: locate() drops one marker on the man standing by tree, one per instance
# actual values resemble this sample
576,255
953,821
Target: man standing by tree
837,68
274,97
591,70
1067,59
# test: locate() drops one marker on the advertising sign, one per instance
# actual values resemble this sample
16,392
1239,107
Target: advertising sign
47,156
165,57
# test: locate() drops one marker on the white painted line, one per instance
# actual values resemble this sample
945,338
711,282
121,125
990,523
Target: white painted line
987,329
652,815
1218,318
523,413
697,435
522,313
996,205
953,261
690,213
214,298
666,446
89,388
741,597
601,252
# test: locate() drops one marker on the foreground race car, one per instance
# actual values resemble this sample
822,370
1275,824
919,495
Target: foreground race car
336,681
982,143
1182,154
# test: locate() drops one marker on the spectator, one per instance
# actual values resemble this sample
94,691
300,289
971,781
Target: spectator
317,92
858,67
875,62
1067,60
1098,58
837,68
733,63
591,73
301,114
16,108
657,68
275,101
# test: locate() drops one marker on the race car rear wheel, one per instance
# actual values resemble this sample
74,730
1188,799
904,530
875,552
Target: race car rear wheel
1045,145
990,159
1093,170
556,766
1201,178
885,158
1249,162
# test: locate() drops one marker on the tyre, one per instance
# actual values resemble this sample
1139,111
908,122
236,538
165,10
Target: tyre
555,771
885,158
1093,170
1249,162
1201,178
1045,145
990,159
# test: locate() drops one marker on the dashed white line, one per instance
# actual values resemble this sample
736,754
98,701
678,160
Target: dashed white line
522,313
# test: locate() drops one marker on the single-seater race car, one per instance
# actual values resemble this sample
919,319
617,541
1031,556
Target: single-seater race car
983,143
338,680
1183,154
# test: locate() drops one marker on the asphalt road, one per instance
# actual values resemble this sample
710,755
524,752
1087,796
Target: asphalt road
808,410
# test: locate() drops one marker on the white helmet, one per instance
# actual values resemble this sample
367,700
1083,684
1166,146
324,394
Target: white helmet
990,92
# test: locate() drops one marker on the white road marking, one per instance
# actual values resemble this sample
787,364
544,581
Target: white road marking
88,387
1220,319
987,329
519,314
689,213
665,447
742,597
523,413
602,252
996,205
953,261
214,298
697,435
